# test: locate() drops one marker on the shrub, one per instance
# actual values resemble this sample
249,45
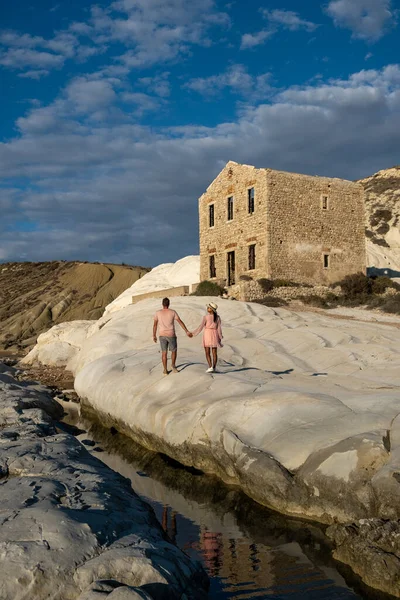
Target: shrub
392,305
208,288
277,283
245,278
331,298
381,284
266,284
355,285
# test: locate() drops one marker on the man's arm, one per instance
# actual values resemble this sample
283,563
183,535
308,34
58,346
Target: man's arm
155,330
182,324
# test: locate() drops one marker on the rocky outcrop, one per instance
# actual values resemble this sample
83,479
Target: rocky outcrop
67,522
382,205
302,415
372,548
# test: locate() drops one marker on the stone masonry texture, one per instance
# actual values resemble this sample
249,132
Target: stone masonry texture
304,228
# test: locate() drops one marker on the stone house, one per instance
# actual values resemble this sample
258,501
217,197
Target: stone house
273,224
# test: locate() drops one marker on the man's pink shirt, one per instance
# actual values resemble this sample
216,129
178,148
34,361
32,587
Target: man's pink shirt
166,322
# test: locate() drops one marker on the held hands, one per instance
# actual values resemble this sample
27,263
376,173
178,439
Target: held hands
189,334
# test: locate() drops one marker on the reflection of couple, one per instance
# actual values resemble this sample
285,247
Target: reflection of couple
211,323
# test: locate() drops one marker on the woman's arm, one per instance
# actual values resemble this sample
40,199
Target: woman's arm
200,327
219,328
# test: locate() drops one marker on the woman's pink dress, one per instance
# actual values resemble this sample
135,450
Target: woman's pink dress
212,332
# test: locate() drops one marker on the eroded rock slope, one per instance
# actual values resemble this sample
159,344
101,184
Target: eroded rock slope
36,296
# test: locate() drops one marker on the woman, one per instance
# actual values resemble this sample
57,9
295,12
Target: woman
212,336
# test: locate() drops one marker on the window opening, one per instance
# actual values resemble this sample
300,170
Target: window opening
230,208
213,271
231,268
250,198
326,261
325,202
252,257
211,215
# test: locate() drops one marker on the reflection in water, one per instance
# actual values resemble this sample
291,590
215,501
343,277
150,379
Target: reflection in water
247,550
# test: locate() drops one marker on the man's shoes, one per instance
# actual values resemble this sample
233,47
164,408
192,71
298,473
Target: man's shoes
210,370
175,370
165,373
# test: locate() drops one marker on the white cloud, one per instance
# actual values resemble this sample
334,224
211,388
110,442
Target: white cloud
277,19
251,40
367,19
143,102
87,96
156,31
34,74
122,192
236,78
151,32
158,84
288,20
20,58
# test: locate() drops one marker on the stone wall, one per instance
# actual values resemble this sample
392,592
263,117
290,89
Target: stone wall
245,229
249,291
182,290
289,227
301,232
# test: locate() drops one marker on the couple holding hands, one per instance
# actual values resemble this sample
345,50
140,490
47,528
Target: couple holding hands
165,319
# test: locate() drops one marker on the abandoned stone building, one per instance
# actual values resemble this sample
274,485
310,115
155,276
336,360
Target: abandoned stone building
278,225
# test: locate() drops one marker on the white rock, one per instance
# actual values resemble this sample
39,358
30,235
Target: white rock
66,518
58,345
293,388
185,271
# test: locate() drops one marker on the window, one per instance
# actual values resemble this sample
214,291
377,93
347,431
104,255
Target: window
230,208
250,200
326,261
211,215
252,257
213,271
324,202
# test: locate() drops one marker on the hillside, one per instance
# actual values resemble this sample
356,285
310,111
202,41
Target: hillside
382,199
36,296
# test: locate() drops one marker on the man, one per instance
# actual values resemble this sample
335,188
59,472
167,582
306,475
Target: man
165,320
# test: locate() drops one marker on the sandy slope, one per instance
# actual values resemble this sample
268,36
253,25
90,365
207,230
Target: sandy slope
35,296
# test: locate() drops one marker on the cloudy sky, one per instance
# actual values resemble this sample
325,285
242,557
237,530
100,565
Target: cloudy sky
116,116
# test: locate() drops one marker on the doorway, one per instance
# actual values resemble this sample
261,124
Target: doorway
231,268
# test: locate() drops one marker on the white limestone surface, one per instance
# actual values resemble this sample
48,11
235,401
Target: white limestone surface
67,521
58,345
300,414
185,271
385,258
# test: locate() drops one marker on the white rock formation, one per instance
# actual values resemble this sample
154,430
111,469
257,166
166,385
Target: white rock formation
185,271
58,345
384,260
302,415
67,521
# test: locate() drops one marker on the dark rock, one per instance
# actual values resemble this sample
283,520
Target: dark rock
372,548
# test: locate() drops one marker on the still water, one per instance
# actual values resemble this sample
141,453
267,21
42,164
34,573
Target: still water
247,550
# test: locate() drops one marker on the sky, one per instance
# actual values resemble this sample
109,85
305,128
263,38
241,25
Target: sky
116,116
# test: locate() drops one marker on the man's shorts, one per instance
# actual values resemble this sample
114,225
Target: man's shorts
168,343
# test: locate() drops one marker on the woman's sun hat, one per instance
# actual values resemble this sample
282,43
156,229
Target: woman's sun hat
212,305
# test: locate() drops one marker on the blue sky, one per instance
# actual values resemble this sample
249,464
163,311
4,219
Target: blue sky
116,116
